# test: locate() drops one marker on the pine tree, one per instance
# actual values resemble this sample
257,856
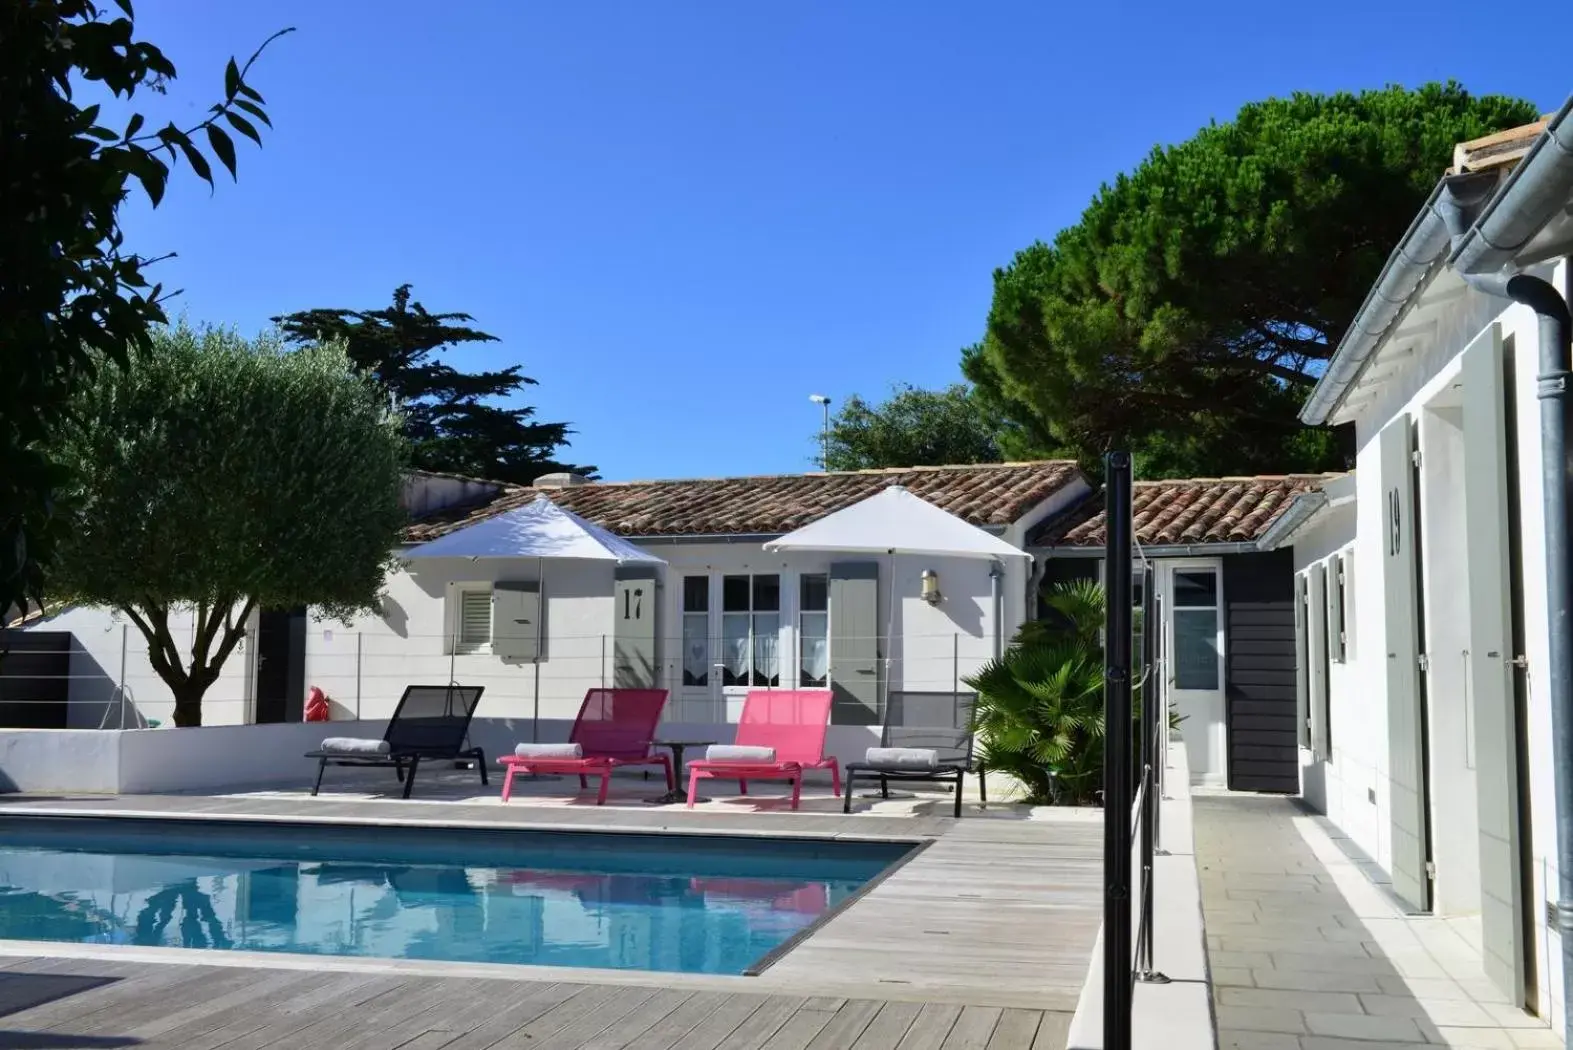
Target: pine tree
451,418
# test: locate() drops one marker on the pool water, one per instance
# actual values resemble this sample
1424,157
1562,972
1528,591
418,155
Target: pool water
671,903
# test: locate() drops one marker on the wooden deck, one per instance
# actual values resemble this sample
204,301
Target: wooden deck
981,941
76,1003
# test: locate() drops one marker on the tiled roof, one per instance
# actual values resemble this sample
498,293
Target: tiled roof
1190,511
986,494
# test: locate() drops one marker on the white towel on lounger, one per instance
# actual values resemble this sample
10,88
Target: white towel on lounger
549,751
739,753
355,745
914,759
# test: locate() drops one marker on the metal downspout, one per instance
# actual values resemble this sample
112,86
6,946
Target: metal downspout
997,604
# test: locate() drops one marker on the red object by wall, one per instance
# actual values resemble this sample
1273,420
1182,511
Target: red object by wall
317,709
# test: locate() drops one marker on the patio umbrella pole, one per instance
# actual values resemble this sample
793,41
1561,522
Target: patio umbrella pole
540,583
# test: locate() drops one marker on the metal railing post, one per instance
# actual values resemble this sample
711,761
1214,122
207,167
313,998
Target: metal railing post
1117,786
120,693
360,639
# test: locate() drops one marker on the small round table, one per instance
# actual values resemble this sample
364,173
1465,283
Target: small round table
677,794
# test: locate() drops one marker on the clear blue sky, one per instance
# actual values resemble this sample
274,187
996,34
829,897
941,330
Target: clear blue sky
683,218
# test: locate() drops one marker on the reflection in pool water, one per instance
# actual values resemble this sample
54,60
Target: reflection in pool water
645,902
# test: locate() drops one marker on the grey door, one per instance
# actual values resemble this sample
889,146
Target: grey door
1490,663
854,643
1405,704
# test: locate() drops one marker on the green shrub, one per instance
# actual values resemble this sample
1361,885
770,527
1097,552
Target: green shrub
1039,712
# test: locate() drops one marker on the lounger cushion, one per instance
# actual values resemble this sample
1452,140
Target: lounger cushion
549,751
738,753
913,758
354,745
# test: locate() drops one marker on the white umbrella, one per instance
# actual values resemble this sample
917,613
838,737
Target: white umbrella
893,521
539,530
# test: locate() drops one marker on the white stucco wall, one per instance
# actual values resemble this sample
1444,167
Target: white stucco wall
364,665
1342,786
108,650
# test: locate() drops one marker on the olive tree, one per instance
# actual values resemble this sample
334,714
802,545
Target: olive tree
220,475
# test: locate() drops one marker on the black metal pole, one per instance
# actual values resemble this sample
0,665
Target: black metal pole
1117,979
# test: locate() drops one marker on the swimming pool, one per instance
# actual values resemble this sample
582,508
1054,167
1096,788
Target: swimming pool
674,903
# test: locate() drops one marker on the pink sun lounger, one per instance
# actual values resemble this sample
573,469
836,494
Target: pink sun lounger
614,728
790,721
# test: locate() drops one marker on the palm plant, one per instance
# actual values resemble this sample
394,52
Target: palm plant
1039,710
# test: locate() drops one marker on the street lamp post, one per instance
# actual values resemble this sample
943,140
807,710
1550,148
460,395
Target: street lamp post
824,431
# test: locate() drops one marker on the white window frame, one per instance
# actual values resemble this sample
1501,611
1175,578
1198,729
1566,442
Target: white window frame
710,632
797,626
453,642
784,613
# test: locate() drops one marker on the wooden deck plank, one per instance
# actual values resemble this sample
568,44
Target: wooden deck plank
626,1001
757,1029
1016,1030
799,1030
847,1025
496,1024
585,1002
716,1009
973,1028
633,1025
931,1028
888,1027
1054,1031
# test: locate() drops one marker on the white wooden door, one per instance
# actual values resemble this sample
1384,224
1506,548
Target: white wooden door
1490,662
1405,710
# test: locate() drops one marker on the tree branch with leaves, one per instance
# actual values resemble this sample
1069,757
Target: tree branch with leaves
73,296
215,477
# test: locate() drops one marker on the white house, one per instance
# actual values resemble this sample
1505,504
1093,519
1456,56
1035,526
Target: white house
1435,641
1224,606
722,615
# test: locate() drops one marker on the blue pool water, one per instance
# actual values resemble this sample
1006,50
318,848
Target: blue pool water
641,902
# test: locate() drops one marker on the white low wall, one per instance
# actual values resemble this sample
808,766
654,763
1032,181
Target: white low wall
223,758
1176,1015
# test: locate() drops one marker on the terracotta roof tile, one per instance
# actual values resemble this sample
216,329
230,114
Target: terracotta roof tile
1190,511
986,494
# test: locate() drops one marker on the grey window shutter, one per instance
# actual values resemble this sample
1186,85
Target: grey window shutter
1335,609
1406,746
1317,620
1490,669
1302,665
854,643
516,620
633,630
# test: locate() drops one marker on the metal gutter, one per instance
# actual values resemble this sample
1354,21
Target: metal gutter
1404,273
1169,550
1301,509
1538,187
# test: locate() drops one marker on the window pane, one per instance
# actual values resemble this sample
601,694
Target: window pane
1196,649
767,593
696,649
696,593
1198,589
735,654
814,639
734,594
815,593
767,649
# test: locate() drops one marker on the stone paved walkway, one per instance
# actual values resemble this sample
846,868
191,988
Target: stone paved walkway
1308,954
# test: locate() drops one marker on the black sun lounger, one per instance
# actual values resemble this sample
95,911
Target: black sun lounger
955,762
431,722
